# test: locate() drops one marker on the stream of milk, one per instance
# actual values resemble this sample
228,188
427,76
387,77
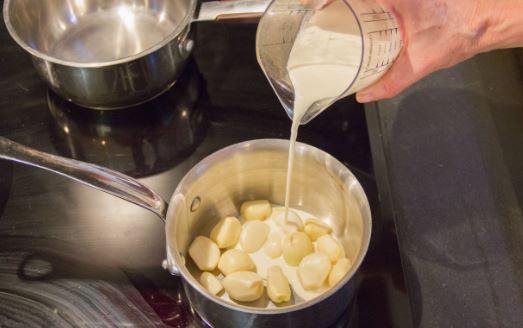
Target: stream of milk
324,77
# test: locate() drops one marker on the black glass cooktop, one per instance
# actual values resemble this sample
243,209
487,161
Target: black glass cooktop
71,256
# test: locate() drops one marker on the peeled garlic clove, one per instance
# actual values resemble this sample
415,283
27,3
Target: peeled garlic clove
205,253
330,247
272,247
295,246
253,236
243,286
278,287
235,260
211,283
226,232
293,222
256,210
314,270
316,228
339,270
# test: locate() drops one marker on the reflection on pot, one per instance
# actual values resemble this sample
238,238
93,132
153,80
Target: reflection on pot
138,141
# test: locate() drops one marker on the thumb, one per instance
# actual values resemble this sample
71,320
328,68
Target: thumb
400,76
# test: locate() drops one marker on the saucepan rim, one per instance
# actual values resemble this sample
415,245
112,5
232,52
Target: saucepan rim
247,146
179,29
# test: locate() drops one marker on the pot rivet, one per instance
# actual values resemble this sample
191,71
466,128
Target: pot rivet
195,204
189,44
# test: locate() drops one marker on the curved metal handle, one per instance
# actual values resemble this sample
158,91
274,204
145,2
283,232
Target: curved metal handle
233,10
109,181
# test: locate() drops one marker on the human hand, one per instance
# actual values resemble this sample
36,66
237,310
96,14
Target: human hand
438,34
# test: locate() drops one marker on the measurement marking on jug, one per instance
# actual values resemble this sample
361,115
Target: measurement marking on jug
377,20
391,30
378,17
281,43
372,72
289,10
377,13
376,67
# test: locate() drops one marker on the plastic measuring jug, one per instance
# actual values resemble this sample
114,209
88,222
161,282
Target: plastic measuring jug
350,43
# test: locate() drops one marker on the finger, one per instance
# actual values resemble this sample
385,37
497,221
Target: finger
399,77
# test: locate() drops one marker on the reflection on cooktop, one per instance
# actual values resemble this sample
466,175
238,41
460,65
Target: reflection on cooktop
44,283
139,141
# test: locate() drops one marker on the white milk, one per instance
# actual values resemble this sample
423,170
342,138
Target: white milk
322,64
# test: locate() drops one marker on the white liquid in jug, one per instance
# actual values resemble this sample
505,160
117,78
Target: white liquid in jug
319,78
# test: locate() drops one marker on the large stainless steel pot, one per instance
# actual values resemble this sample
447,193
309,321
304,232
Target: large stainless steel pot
215,188
109,54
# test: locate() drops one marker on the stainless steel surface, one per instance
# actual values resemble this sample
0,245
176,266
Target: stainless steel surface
218,185
98,177
219,10
104,54
112,54
256,170
95,33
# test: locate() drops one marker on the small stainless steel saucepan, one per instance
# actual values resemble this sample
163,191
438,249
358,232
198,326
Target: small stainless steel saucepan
109,54
215,188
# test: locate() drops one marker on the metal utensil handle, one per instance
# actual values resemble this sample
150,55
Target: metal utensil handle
97,177
232,10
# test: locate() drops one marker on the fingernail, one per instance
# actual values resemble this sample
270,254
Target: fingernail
364,97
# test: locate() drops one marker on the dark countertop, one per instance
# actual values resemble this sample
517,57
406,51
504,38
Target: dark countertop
71,256
448,160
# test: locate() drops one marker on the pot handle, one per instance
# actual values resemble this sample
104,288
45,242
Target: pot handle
97,177
233,10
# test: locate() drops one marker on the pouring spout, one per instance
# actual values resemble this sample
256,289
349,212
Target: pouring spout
97,177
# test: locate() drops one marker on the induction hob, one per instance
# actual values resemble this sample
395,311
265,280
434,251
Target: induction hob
71,256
